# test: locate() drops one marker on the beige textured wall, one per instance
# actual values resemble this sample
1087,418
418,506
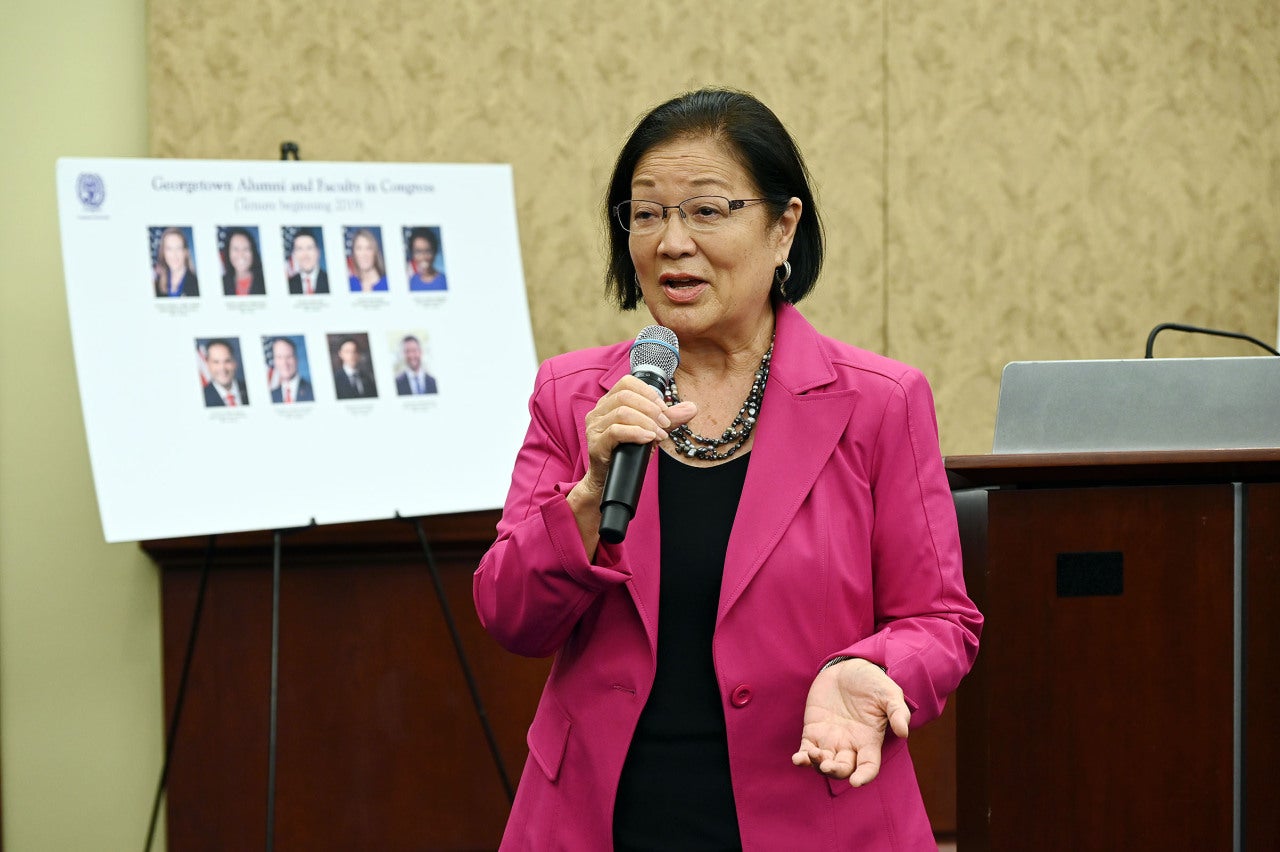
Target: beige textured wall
1000,181
1065,176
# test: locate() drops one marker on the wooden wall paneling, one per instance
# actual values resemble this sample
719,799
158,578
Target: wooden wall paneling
933,752
378,743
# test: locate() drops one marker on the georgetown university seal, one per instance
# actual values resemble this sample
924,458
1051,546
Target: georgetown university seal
91,190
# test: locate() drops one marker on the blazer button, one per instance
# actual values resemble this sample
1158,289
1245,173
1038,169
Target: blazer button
741,696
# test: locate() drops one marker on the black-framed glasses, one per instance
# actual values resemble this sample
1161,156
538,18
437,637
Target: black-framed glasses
700,213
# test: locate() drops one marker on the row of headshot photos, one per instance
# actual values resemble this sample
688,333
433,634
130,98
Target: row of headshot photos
222,368
173,260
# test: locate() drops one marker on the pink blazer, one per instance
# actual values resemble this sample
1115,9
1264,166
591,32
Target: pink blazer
845,542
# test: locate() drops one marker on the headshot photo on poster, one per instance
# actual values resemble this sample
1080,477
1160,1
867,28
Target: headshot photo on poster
424,259
218,363
304,266
173,262
288,371
241,257
366,266
352,366
413,378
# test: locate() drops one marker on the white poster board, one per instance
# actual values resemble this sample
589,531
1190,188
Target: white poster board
219,395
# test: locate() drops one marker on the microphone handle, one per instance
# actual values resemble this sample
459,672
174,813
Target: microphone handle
626,475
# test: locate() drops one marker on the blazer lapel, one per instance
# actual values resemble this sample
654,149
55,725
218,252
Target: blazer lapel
801,424
799,428
643,545
644,552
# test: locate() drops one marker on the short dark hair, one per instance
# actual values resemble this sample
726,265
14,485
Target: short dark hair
303,232
763,147
218,341
286,341
424,234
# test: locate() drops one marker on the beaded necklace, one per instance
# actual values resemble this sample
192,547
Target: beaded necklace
687,441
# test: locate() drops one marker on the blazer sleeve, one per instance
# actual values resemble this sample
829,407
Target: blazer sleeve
536,580
927,628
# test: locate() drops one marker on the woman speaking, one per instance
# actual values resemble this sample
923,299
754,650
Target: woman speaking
743,669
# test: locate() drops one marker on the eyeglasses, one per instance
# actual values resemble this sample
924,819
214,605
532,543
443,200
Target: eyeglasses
700,213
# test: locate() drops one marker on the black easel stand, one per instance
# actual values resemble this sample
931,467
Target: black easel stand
275,689
193,634
286,149
181,697
476,701
277,539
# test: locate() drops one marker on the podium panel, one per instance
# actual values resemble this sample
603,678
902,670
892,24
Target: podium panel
1125,690
1262,660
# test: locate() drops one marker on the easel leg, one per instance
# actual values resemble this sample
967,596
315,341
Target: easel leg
181,697
275,684
462,661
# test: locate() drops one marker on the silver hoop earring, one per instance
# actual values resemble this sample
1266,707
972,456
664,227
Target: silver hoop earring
786,273
782,275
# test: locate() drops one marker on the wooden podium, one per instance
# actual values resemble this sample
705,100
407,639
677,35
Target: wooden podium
1128,683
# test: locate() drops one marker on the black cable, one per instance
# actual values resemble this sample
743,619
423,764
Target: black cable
181,697
1151,338
462,661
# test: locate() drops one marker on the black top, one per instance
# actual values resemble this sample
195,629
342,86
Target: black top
675,792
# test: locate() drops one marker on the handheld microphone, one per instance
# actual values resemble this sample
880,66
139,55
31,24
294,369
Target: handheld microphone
654,357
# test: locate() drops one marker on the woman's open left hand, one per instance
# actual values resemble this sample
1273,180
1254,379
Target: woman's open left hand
850,705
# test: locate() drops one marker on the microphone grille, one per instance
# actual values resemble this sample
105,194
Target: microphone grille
656,346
